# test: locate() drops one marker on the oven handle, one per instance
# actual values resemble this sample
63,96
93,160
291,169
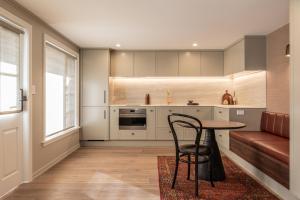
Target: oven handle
132,116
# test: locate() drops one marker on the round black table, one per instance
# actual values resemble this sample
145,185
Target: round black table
210,140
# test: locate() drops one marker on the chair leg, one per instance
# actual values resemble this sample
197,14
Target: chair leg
175,173
196,175
211,174
189,167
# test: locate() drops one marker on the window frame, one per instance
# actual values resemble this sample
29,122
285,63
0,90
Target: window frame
48,40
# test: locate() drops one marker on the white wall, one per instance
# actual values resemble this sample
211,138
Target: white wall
295,96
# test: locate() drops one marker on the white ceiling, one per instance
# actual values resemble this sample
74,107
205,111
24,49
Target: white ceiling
160,24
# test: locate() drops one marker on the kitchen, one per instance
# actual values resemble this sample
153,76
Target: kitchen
149,100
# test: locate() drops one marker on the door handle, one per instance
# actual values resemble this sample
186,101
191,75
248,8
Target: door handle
22,99
104,96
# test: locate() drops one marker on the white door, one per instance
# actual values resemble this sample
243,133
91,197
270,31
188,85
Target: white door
10,108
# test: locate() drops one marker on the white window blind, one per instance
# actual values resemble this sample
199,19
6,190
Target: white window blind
9,69
60,90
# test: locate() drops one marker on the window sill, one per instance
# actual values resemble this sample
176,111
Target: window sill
60,135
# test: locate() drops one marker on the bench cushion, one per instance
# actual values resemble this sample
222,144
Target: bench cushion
275,123
272,145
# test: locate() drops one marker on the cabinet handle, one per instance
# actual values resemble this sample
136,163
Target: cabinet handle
220,112
104,114
170,110
132,133
198,110
104,96
114,110
151,110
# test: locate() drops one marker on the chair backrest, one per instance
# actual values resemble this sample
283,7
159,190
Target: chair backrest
185,121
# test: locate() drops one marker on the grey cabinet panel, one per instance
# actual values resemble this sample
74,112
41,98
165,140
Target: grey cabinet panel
144,63
94,77
212,63
255,53
122,63
166,63
189,63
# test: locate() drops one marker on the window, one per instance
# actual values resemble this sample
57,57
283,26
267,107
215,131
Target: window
10,59
60,90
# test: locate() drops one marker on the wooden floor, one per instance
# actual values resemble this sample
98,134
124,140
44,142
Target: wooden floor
99,173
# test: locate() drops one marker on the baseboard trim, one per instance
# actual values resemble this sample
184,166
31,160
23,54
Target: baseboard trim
55,161
131,143
269,183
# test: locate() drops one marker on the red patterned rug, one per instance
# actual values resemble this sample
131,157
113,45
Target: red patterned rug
237,186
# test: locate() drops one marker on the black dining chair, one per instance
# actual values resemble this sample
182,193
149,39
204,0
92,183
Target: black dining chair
184,153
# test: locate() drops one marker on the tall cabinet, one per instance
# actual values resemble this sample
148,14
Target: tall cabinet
94,94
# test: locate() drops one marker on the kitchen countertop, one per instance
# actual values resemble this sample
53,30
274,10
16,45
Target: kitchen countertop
184,105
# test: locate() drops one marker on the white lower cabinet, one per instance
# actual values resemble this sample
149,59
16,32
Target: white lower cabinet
94,123
222,136
116,134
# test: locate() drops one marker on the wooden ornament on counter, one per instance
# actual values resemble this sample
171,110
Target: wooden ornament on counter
147,99
227,99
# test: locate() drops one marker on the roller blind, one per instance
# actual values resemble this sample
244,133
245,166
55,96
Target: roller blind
60,90
10,59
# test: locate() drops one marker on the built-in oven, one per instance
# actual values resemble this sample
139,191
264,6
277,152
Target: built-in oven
132,119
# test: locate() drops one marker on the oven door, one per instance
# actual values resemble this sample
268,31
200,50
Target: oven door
132,121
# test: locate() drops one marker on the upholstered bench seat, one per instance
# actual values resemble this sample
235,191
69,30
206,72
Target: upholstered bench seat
275,146
268,149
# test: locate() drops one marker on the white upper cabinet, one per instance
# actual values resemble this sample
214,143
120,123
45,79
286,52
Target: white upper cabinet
167,63
212,63
189,63
246,55
122,63
144,63
94,79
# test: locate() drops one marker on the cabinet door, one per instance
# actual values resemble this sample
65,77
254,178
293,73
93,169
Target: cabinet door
201,113
95,73
122,63
144,63
162,115
114,123
166,63
212,63
151,123
94,123
166,134
222,136
189,63
234,58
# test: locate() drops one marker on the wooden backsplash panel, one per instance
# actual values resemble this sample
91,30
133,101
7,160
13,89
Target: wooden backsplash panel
250,90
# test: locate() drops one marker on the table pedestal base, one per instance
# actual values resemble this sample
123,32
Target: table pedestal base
217,164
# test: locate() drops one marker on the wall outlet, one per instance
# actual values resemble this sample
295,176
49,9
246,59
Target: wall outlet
240,112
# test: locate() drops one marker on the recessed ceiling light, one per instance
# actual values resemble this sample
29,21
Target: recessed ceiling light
195,44
118,45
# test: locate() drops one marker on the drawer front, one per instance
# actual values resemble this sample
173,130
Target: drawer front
166,134
132,135
202,113
162,115
221,113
